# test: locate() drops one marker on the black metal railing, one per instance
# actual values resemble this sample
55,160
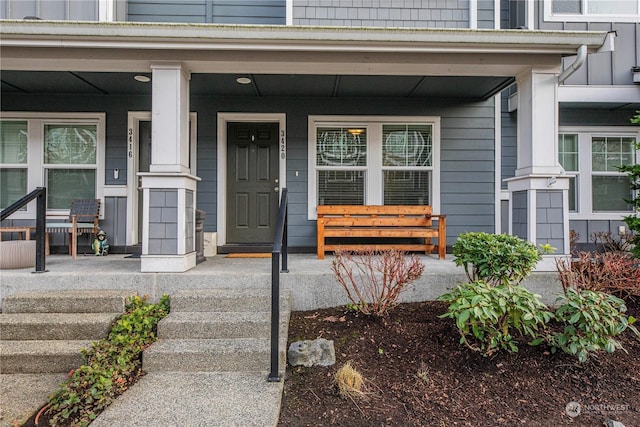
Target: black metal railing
279,248
40,194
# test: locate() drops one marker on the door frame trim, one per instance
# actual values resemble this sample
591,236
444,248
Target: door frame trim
132,148
223,118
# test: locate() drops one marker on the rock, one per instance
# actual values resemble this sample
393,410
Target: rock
612,423
311,353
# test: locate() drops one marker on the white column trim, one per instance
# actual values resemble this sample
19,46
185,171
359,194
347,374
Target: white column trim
473,14
497,124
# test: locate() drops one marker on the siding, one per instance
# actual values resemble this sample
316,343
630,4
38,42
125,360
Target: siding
49,9
384,13
467,150
608,68
208,11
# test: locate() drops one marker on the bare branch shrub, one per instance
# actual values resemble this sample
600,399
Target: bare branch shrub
374,280
616,273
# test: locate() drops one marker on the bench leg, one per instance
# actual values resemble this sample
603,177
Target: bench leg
442,238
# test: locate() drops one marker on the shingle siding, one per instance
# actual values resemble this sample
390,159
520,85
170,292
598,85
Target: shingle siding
381,13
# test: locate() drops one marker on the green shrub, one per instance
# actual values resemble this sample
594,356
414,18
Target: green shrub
490,318
591,321
495,258
113,365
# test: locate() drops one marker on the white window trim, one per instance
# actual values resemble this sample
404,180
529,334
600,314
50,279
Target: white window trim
374,179
35,153
585,17
583,182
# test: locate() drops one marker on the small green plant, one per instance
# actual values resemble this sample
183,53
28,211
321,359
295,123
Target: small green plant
591,321
490,318
113,365
497,259
374,280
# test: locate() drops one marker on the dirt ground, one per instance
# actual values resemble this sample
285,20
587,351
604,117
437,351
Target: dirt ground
418,374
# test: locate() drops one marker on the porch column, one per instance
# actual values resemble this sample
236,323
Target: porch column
539,193
169,189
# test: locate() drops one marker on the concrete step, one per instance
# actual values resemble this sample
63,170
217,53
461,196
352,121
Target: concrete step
214,355
252,300
55,326
80,301
35,357
194,325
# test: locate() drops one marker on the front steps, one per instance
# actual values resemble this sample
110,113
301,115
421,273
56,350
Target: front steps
218,330
42,332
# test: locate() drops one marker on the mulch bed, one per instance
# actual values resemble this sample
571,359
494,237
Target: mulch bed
418,374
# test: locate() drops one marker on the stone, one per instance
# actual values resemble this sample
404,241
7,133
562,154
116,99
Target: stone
319,352
612,423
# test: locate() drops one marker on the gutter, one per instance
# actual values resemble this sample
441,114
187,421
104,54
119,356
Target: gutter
607,46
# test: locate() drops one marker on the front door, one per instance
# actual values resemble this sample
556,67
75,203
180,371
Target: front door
252,182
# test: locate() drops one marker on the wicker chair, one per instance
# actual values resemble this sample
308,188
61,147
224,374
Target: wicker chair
83,218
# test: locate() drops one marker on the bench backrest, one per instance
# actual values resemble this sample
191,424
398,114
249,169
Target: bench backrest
375,216
85,210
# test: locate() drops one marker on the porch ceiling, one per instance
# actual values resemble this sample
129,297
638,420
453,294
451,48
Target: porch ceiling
312,85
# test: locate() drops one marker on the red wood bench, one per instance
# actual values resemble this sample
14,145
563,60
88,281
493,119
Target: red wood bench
391,221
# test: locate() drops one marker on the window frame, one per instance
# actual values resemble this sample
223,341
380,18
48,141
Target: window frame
584,206
585,17
36,176
374,169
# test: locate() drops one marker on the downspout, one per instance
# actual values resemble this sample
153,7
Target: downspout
582,56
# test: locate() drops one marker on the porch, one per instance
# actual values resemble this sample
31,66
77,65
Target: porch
311,281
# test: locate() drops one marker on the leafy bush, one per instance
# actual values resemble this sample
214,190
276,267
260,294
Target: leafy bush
591,321
616,273
113,365
495,258
374,280
633,221
490,318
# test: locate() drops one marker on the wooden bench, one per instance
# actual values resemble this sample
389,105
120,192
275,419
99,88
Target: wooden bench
391,221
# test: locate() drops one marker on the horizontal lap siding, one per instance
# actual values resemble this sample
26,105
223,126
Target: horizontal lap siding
49,9
209,11
466,139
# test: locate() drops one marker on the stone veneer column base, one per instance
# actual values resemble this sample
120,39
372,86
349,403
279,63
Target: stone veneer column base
167,263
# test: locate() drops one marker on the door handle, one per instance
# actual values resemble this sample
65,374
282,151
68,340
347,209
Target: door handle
276,189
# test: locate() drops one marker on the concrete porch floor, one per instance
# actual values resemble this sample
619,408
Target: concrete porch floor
310,280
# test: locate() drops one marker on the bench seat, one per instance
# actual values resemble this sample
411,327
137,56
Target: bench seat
390,221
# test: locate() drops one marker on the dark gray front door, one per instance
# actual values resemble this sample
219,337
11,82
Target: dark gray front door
252,182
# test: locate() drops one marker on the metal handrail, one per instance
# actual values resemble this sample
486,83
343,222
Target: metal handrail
40,194
279,247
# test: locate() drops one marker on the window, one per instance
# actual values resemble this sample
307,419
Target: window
13,161
568,150
373,160
61,152
591,158
592,10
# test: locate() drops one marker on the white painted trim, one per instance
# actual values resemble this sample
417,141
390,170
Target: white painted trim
106,10
496,14
618,93
115,191
373,185
584,17
35,149
223,118
497,125
133,143
531,14
167,263
289,12
473,14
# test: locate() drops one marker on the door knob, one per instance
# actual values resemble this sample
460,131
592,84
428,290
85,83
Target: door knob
276,189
